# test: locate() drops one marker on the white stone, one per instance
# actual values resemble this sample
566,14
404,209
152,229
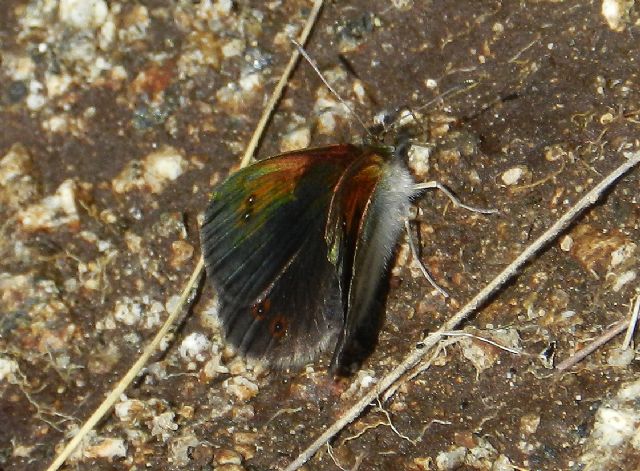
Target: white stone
127,311
241,387
35,100
359,91
156,171
250,82
128,409
620,357
53,211
512,176
19,67
56,84
56,124
622,254
14,164
452,459
299,138
616,13
622,279
7,368
163,425
613,426
233,48
83,14
431,83
326,123
566,243
107,448
419,159
165,164
194,346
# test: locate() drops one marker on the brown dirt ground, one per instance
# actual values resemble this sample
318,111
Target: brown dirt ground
548,92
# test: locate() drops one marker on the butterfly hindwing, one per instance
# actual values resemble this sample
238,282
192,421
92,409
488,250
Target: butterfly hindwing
263,239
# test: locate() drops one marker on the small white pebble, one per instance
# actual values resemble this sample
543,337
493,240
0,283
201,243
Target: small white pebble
14,164
56,124
241,387
368,381
35,100
107,448
529,423
193,346
621,357
164,164
233,48
7,368
359,91
419,159
622,254
326,123
566,243
616,13
299,138
214,367
53,211
502,463
622,279
127,311
83,14
450,460
250,82
227,457
163,425
172,303
512,176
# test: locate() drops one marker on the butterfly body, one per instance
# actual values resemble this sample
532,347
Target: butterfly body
296,245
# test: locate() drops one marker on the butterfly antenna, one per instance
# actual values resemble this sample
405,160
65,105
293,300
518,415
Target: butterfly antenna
469,85
331,89
454,90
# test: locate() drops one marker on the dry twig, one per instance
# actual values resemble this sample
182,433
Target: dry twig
613,331
580,355
632,324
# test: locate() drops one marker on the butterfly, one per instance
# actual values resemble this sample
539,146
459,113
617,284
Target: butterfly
296,246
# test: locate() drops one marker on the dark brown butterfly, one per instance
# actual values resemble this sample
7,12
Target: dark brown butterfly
296,246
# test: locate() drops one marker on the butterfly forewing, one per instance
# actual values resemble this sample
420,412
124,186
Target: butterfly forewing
348,204
375,228
263,239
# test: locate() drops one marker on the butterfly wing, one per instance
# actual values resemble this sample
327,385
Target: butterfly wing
373,213
266,254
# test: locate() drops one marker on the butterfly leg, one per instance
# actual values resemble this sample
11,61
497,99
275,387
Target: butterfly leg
423,269
439,186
